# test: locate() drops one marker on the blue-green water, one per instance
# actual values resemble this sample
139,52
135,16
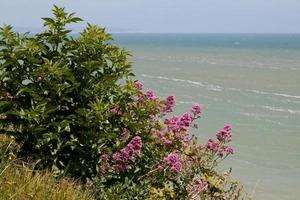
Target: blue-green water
249,81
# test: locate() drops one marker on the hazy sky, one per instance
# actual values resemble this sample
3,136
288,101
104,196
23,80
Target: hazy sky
192,16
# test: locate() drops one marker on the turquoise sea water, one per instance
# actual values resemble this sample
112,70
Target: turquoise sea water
249,81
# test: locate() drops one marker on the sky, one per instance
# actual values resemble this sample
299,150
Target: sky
164,16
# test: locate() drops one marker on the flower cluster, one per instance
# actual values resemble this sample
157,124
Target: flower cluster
125,156
138,85
172,135
174,162
177,124
224,136
150,95
196,110
170,103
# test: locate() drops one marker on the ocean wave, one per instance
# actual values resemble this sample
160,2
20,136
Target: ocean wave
187,102
263,117
282,110
275,94
201,84
219,88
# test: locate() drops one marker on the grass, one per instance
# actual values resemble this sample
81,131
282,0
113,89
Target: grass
19,182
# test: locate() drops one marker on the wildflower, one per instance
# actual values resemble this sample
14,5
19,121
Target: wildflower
185,121
172,123
173,161
196,110
229,150
176,167
225,135
212,145
151,96
128,154
170,103
138,85
105,157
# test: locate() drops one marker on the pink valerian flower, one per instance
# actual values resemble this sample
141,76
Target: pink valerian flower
150,95
225,135
172,123
213,145
161,137
135,146
174,162
170,103
138,85
176,167
165,141
105,157
185,121
175,123
128,154
117,110
219,148
228,150
196,187
196,110
179,126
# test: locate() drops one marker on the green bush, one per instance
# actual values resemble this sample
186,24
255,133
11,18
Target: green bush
57,91
71,106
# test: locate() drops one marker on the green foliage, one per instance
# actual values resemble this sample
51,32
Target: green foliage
56,92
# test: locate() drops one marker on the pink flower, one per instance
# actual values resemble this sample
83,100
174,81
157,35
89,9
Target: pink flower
170,103
229,150
173,161
128,154
105,157
138,85
165,141
225,135
151,96
212,145
172,123
185,121
176,167
172,158
196,109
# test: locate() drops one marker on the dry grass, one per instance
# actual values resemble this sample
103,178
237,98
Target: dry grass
20,183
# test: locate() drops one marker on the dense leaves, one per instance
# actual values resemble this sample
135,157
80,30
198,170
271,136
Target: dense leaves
57,92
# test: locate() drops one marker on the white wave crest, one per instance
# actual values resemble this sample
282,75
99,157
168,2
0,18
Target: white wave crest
282,110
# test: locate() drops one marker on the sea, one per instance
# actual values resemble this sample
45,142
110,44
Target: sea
250,81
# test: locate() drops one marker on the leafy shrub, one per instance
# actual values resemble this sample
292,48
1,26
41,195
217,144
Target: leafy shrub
72,108
57,92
